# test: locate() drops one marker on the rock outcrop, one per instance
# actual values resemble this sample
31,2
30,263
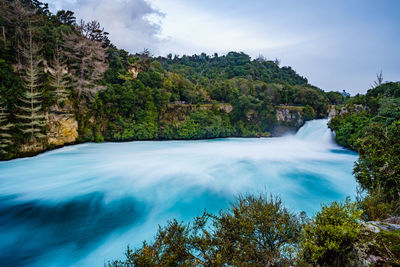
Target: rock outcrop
340,111
379,241
289,120
62,127
376,226
289,115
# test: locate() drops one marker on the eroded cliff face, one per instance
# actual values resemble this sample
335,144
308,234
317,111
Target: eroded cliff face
62,128
289,120
342,110
289,116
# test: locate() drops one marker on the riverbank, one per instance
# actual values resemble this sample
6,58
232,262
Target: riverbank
63,129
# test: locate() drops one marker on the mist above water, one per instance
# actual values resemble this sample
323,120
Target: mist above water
81,205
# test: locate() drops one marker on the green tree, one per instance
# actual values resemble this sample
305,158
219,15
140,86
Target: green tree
329,239
378,166
255,231
308,113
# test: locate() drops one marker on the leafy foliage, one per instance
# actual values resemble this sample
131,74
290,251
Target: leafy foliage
330,237
254,231
378,166
374,134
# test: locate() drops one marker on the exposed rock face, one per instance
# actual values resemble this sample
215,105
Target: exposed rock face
134,71
332,112
335,111
376,227
289,120
376,247
393,220
62,127
226,107
292,117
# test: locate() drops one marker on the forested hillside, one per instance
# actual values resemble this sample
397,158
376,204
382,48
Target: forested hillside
63,81
370,125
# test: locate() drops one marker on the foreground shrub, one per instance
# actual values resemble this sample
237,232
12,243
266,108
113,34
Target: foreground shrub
254,231
375,207
171,248
389,243
329,239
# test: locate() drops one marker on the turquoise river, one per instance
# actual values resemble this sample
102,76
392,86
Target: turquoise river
82,205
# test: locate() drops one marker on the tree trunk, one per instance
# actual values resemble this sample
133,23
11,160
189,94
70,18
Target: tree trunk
4,35
82,78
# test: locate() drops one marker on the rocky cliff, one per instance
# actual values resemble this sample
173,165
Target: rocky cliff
289,120
342,110
62,128
289,115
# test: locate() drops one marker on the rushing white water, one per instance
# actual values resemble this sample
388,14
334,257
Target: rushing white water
81,205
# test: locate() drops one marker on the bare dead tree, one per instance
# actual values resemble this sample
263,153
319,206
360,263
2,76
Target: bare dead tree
88,63
17,16
93,31
59,77
379,79
260,58
145,60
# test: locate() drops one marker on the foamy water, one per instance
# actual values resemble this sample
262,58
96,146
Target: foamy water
81,205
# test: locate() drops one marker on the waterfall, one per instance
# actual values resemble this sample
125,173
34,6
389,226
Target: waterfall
316,131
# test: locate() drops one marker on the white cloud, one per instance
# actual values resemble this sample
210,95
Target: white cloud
127,21
189,29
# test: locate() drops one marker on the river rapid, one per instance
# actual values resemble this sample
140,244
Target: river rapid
82,205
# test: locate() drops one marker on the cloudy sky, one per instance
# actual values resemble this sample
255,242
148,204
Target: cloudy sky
337,45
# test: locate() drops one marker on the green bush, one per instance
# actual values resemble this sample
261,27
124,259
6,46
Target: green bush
375,207
308,113
389,242
254,231
329,238
378,166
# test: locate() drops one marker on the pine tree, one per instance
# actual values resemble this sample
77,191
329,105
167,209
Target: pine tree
59,77
5,127
32,118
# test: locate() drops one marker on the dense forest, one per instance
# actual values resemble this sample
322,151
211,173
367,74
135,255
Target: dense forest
55,69
370,125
